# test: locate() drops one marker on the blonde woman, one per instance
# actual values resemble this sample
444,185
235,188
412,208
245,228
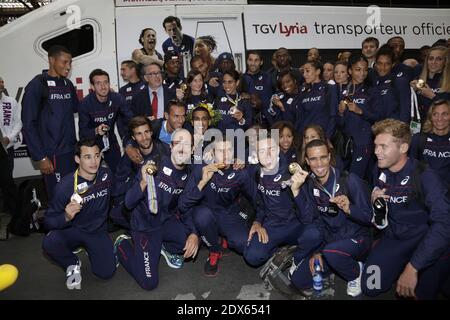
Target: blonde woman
430,80
432,145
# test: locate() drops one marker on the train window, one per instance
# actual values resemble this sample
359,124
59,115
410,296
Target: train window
78,41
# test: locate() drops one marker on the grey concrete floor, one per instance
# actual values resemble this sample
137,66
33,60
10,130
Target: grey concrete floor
39,278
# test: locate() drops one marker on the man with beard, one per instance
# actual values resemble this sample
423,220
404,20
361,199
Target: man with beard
255,81
141,131
283,63
400,69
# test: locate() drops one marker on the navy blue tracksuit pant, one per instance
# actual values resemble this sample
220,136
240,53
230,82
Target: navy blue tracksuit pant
112,157
141,256
256,253
340,257
60,244
63,164
392,256
7,185
211,224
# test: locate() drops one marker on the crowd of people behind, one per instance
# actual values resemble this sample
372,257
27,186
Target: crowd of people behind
369,132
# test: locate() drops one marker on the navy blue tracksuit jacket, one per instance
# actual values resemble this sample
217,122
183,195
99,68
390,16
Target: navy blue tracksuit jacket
170,183
407,217
319,102
93,215
313,204
48,125
93,113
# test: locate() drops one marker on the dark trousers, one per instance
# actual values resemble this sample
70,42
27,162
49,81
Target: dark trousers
391,257
140,257
9,189
63,164
59,246
256,253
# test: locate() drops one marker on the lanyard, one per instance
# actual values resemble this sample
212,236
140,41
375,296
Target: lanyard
105,140
318,185
234,102
351,84
75,184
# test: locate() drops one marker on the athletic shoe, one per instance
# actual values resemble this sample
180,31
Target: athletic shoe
73,276
354,286
173,260
225,249
78,250
212,264
118,241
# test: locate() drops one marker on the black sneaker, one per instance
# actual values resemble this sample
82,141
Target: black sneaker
211,267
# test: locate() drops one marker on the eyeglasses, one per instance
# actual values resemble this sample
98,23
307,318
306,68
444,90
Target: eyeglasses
154,74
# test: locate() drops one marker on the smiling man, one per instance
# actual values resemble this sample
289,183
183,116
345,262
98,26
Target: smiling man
48,106
147,149
159,229
414,247
77,217
98,114
336,208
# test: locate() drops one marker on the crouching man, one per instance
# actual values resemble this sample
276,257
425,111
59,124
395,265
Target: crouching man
77,217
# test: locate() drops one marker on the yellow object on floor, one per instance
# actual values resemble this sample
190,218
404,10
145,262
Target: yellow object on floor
8,275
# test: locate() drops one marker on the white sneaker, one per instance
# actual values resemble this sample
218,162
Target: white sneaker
354,286
77,250
73,276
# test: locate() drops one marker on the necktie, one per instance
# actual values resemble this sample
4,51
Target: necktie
155,105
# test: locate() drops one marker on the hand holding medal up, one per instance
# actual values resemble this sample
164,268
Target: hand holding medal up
298,177
148,171
73,207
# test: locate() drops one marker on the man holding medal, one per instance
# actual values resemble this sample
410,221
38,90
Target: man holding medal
148,149
157,225
277,218
212,195
77,217
337,210
98,114
414,246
